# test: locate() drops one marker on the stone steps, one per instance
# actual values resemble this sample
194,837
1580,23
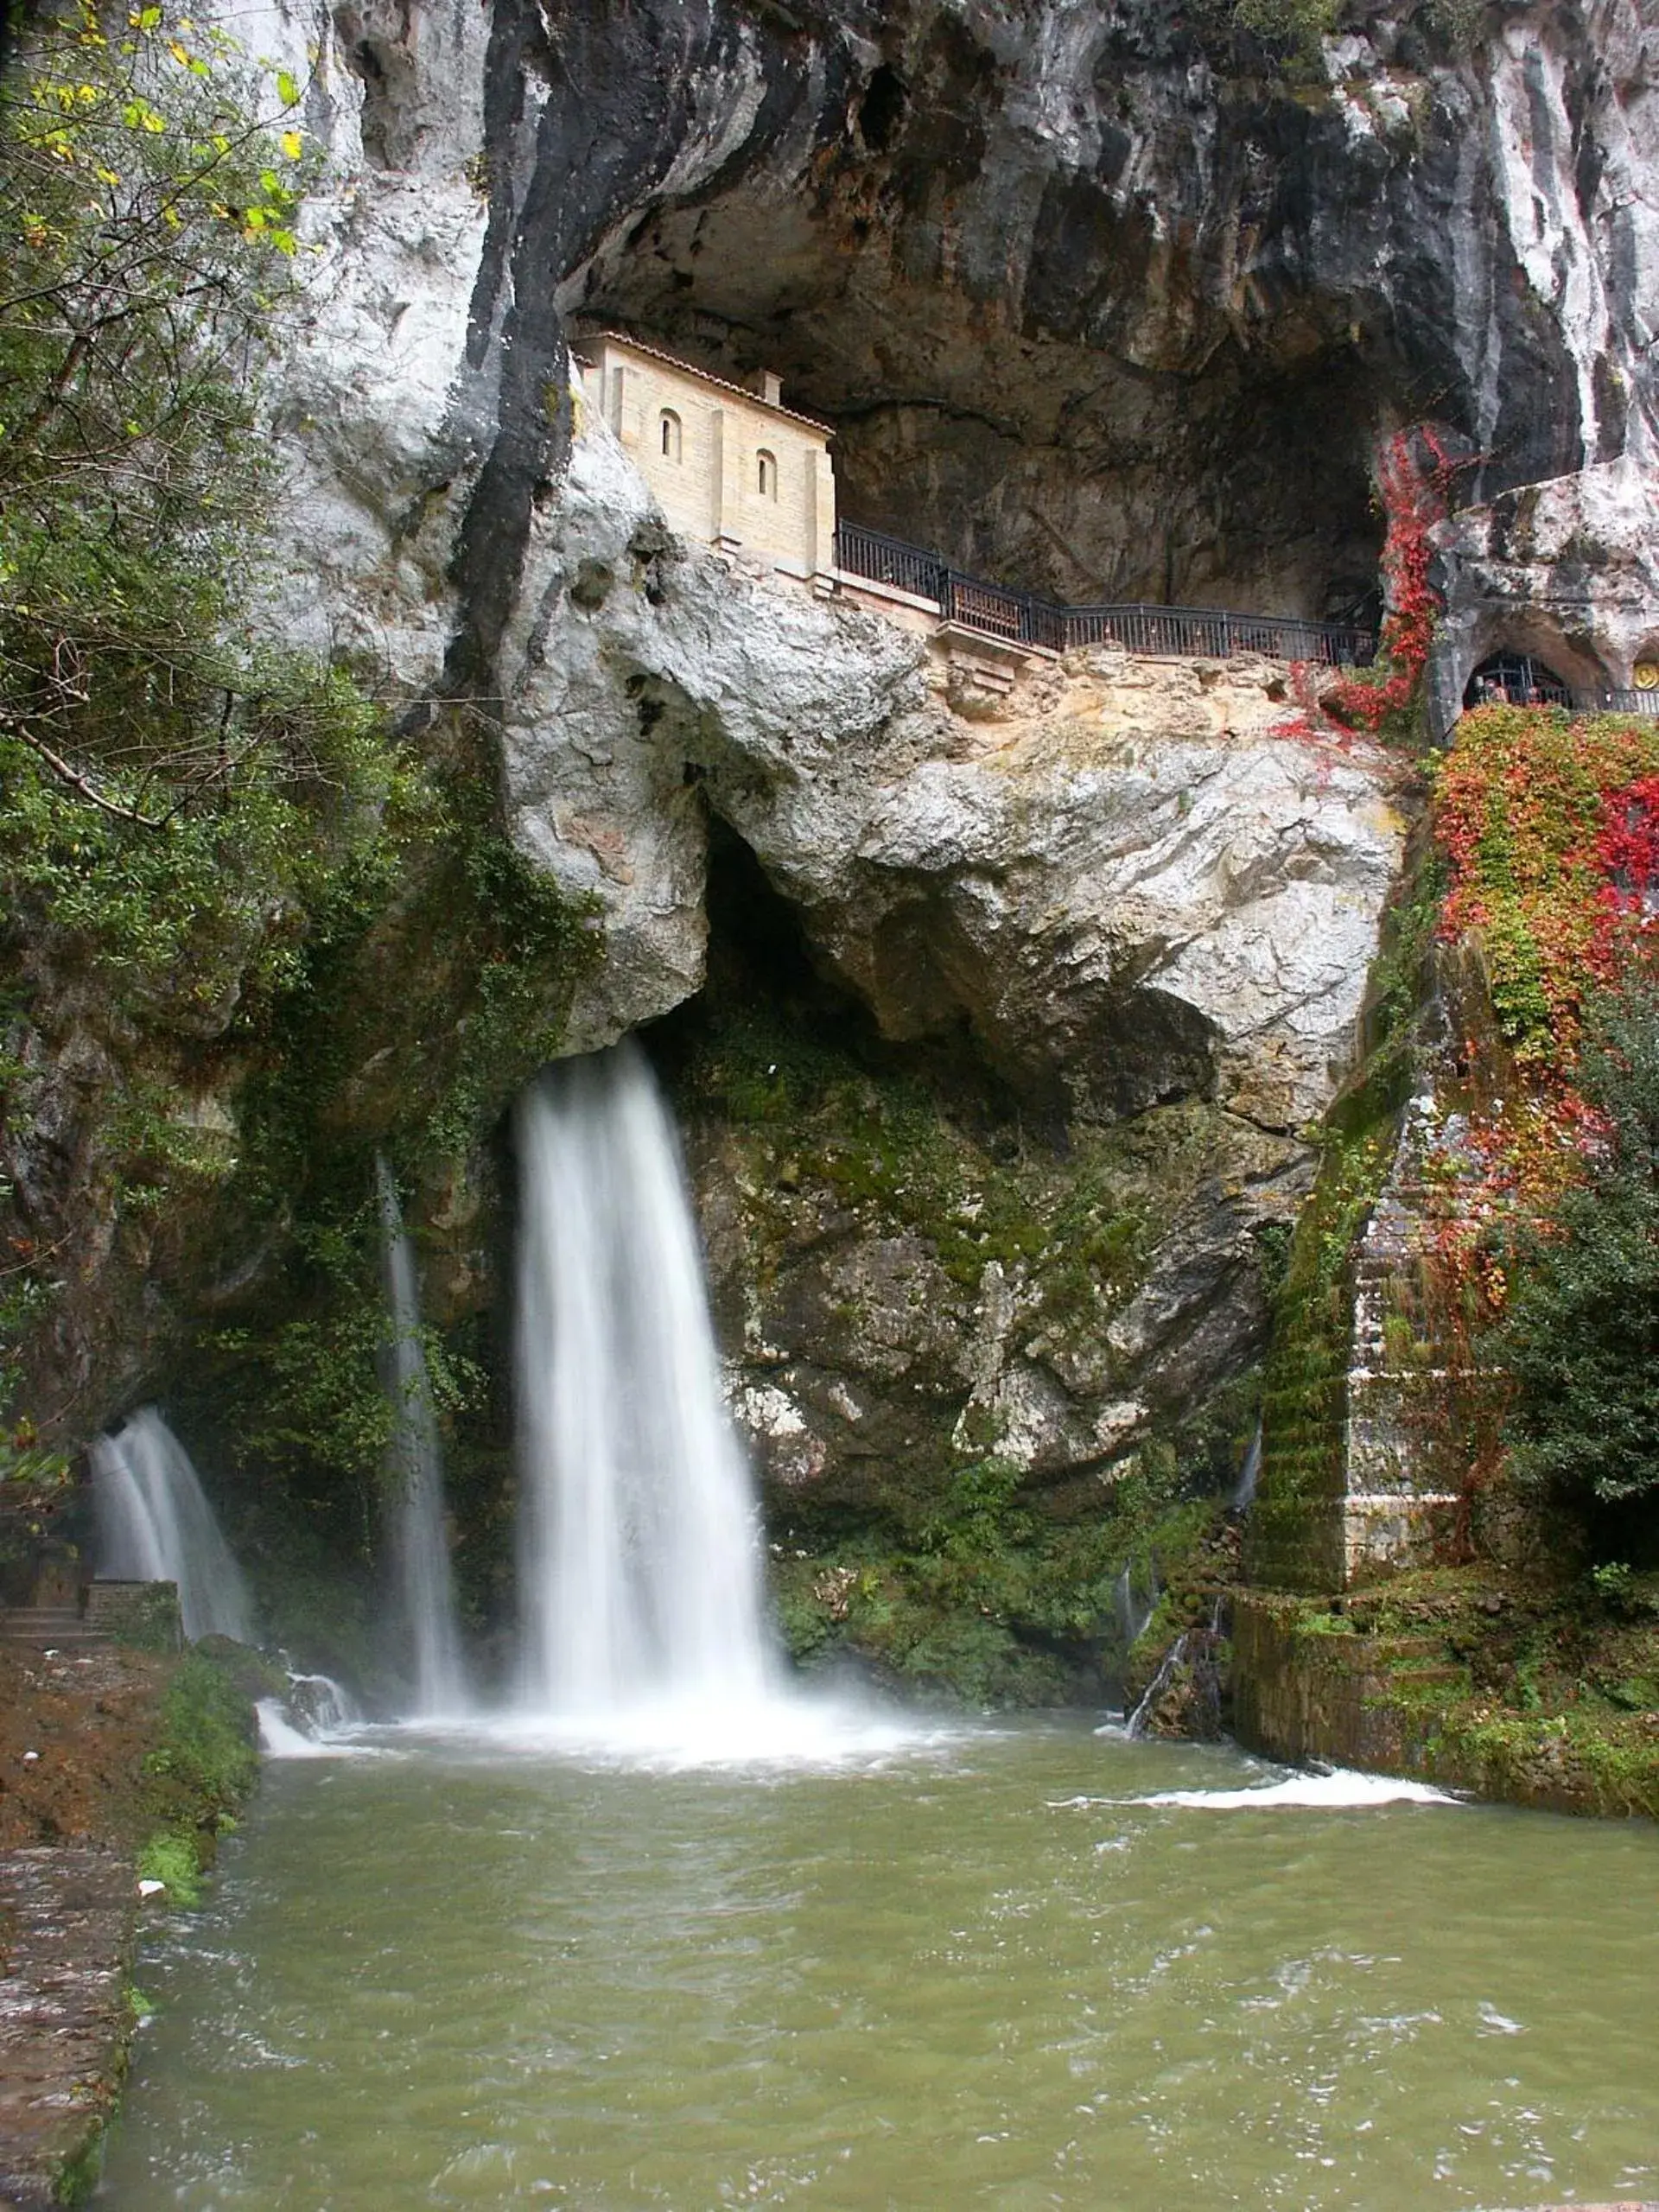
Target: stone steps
46,1627
1389,1647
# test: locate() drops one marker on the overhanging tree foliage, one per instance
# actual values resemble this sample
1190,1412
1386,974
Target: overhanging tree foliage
183,807
147,210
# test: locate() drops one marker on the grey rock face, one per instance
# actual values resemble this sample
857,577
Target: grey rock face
1131,888
1095,307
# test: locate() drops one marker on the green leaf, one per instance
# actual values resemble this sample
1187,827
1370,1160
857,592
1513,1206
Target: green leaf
288,90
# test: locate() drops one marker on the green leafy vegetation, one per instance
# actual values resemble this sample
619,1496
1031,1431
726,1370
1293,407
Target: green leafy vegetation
1284,33
1578,1337
182,810
201,1772
148,212
283,935
169,1856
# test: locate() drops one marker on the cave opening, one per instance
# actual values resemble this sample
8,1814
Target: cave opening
1516,679
1040,462
766,985
881,110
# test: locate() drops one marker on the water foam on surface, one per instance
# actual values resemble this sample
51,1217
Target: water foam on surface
280,1740
1339,1791
771,1735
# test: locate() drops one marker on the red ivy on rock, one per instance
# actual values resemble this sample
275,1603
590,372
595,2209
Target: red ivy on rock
1551,824
1415,472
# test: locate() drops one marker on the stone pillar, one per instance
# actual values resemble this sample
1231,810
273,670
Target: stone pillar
725,471
820,549
622,403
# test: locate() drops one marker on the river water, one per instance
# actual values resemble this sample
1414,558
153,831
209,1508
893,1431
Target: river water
973,1970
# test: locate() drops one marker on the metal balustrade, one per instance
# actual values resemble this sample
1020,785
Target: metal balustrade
1631,701
1161,632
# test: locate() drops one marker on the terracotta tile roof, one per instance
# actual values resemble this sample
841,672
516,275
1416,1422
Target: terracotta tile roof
703,376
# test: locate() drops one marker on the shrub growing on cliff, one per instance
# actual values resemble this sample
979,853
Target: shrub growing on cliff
148,215
1580,1338
171,798
1291,29
182,810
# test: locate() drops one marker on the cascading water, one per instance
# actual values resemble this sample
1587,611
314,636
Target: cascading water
641,1573
1249,1473
1132,1612
424,1583
155,1525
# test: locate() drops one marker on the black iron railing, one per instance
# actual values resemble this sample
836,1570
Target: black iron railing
1617,702
1214,633
1021,618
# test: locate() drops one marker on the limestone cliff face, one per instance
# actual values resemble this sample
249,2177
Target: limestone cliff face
1098,302
1099,305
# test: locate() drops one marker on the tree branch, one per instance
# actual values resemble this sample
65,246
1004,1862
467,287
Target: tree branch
77,782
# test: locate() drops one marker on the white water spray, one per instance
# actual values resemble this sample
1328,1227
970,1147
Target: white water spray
1249,1473
421,1553
640,1564
155,1525
1132,1612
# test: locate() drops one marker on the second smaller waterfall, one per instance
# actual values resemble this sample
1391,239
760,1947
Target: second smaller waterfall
425,1586
156,1525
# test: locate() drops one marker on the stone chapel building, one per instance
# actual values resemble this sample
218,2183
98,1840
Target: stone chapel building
731,467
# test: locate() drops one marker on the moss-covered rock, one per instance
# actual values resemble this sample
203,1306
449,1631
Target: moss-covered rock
980,1362
1542,1692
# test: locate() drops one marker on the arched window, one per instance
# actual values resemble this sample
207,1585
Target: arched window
669,430
1516,680
765,473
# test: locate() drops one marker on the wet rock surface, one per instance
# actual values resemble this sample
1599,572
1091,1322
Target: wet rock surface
74,1729
66,1918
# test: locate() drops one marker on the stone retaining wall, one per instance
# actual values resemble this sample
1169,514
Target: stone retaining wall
1333,1697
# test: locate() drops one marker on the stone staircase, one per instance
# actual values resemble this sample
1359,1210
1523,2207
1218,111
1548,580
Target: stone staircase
45,1628
1395,1509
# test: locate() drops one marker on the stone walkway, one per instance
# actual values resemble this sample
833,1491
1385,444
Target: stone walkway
67,1918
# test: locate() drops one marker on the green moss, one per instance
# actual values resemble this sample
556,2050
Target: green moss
206,1761
1291,1537
999,1597
1485,1681
78,2175
931,1557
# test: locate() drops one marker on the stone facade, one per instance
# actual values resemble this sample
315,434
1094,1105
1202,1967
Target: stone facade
142,1615
730,467
1399,1495
1564,569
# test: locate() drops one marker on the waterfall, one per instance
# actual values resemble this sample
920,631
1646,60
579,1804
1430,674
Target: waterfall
155,1525
416,1470
1155,1689
639,1560
1133,1614
1250,1474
